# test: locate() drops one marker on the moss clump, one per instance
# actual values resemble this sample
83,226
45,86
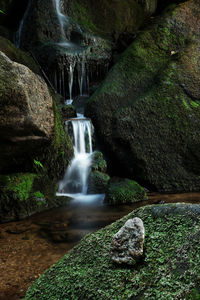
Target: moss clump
168,270
98,162
98,182
57,156
125,191
18,186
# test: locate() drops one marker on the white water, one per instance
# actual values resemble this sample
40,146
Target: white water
63,20
75,182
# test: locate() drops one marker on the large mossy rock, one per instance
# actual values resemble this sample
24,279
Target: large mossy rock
35,149
168,270
119,17
125,191
26,115
147,110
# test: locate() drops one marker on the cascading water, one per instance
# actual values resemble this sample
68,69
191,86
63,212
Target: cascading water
76,178
63,20
75,182
18,34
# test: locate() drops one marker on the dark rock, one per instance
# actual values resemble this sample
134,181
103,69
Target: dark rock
68,112
127,244
149,104
98,182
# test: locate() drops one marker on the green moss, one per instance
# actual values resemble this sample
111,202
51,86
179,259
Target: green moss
18,55
125,191
168,270
18,186
98,162
98,182
117,17
194,104
57,156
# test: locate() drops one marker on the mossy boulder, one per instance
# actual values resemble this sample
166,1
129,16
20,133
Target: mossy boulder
98,182
118,17
169,268
23,194
124,191
147,111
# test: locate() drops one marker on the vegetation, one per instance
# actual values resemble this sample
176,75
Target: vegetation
125,191
168,270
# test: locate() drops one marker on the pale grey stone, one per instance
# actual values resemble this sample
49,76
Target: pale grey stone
127,243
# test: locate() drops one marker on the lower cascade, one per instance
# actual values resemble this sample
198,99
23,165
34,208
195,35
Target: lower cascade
75,181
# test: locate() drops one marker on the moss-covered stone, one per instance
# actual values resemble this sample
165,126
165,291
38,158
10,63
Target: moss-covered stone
18,55
23,194
168,270
17,186
117,16
124,192
149,104
98,182
68,111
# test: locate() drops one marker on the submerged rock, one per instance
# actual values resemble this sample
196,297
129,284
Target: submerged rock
147,111
127,243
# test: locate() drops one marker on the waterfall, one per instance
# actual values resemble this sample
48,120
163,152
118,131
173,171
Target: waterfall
61,18
76,177
18,34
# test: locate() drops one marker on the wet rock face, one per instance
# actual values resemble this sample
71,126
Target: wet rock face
26,115
149,104
127,243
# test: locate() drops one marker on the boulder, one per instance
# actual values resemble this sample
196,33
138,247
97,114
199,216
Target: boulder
26,115
127,243
147,111
124,191
169,269
97,182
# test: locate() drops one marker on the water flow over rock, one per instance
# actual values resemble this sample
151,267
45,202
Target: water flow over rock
76,178
18,34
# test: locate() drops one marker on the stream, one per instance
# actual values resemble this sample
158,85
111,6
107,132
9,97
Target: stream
28,247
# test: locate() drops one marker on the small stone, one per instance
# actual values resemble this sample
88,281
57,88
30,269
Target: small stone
127,243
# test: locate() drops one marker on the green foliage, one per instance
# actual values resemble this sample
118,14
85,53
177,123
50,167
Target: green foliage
2,12
38,163
38,194
195,295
